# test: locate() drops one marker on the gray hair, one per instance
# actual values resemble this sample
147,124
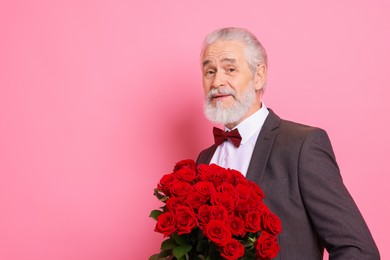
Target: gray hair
255,52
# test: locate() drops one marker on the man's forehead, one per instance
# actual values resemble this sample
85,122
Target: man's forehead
224,51
223,60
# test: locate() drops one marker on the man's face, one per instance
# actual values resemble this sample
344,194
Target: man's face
229,84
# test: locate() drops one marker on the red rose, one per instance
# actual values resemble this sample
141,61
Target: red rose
185,164
243,191
256,189
228,188
242,207
181,189
185,220
195,200
255,204
271,223
166,224
217,178
233,250
238,177
204,187
267,246
220,213
204,215
173,203
252,221
218,232
223,199
227,176
262,208
205,172
186,174
237,226
166,183
212,173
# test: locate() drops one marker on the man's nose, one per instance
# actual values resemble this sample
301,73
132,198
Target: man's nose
219,80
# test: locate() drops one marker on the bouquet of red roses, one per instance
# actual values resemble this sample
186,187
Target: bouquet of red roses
213,213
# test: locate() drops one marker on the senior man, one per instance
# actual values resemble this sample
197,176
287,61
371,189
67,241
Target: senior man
294,164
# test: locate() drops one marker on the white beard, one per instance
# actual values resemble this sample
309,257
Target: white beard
219,114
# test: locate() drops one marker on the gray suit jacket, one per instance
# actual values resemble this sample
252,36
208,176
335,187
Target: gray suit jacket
295,166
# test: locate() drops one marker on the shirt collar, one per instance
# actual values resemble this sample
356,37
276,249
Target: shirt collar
251,125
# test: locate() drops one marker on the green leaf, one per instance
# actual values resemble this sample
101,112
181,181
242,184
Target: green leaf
168,244
180,251
159,195
155,213
248,244
163,199
180,240
164,254
252,239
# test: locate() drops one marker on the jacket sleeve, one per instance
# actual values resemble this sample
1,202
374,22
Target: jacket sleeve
329,205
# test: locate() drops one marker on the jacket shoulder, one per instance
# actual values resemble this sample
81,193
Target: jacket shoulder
294,130
287,127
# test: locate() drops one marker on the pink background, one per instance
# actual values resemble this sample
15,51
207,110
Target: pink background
98,99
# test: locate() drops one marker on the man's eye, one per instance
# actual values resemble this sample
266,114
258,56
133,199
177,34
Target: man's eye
210,72
231,69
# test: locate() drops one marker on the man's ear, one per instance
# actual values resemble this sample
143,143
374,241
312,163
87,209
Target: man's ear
260,76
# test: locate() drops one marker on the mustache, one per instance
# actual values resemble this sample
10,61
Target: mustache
221,91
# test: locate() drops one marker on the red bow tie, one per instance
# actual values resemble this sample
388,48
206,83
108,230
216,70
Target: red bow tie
221,136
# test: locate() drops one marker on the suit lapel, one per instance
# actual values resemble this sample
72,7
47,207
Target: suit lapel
263,148
206,156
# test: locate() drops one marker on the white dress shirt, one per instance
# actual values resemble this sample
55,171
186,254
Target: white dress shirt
238,158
